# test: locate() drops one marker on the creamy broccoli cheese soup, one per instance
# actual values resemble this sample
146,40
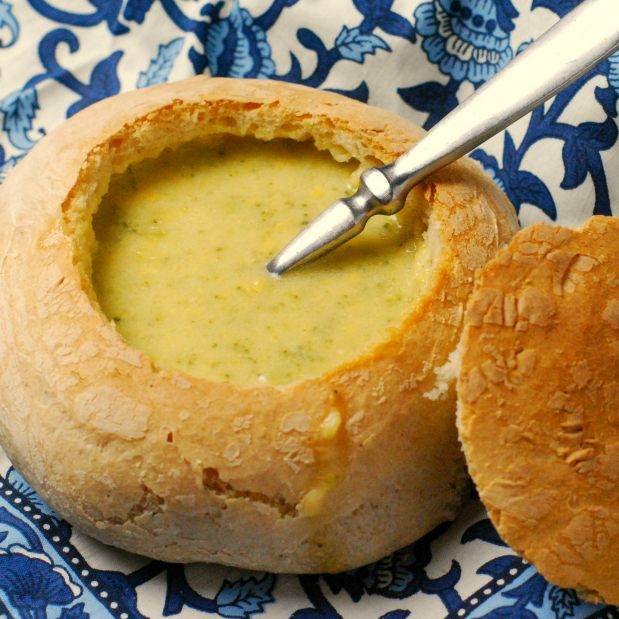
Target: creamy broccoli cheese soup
183,241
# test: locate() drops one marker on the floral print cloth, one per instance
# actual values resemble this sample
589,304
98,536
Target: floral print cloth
417,58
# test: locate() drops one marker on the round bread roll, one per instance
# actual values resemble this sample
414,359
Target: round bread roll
539,401
324,473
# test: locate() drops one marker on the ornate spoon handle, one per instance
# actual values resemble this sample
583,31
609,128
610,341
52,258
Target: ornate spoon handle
582,39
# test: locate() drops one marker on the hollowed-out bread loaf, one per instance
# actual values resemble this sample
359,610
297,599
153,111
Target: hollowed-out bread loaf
328,472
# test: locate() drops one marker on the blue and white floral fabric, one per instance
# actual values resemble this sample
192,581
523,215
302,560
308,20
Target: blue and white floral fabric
419,58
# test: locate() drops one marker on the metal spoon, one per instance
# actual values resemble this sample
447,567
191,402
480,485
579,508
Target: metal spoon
581,40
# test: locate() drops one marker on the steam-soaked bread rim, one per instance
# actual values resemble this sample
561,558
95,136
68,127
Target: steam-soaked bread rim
326,473
539,401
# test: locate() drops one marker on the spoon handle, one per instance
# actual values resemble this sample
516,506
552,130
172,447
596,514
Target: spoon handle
577,43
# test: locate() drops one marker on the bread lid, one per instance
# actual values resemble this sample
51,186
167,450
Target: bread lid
539,401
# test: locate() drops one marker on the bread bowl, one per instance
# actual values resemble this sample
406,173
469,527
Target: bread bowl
538,401
323,473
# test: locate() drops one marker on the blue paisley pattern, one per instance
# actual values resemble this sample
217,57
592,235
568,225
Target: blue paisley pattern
419,58
465,37
236,46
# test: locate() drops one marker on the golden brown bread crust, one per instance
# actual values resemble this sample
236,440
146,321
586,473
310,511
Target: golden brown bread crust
184,469
539,401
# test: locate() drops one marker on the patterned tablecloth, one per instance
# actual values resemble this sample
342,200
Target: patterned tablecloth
417,58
